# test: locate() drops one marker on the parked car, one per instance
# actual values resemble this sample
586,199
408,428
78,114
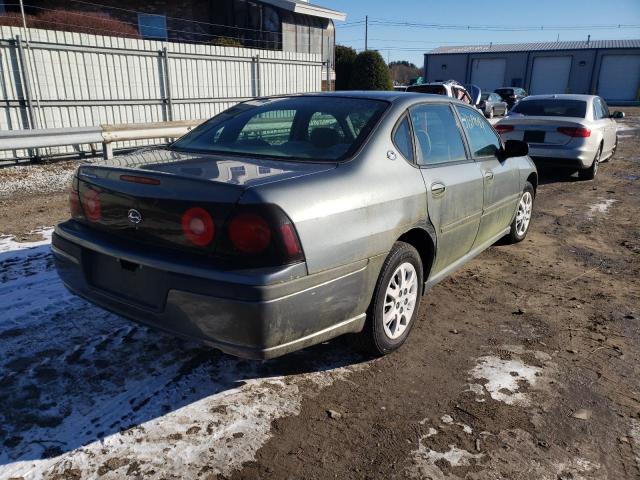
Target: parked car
283,222
492,104
511,95
571,131
400,88
449,88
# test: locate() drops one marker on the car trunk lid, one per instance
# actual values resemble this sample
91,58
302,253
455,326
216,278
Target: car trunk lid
144,196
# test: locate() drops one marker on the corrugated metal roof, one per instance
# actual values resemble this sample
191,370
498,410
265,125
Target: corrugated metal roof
535,46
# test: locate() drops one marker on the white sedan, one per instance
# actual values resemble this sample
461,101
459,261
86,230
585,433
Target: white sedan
572,131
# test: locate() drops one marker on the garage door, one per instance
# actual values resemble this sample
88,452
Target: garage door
488,73
619,77
550,75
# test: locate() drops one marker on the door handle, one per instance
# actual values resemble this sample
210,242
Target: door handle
488,175
437,189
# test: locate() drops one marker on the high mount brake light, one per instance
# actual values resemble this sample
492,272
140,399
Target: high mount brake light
575,132
249,233
504,128
91,205
198,226
138,179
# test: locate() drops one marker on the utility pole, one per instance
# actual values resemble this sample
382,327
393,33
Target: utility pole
366,32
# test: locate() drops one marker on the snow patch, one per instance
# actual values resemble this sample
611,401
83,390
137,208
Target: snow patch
504,378
600,207
447,419
8,243
634,433
424,460
86,391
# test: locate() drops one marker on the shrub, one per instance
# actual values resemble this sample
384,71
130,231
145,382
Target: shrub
226,42
94,23
345,57
370,72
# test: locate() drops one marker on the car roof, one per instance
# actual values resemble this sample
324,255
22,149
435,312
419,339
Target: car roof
561,96
387,95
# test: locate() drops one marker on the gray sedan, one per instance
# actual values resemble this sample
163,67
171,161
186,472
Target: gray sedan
491,104
576,132
283,222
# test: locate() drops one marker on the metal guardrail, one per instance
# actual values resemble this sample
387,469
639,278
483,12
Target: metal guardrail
104,134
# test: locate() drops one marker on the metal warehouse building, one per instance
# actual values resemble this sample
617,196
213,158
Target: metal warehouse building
610,68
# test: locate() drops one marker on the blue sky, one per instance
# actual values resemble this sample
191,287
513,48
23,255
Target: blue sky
405,43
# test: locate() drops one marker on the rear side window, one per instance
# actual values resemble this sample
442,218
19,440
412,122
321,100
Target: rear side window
402,139
482,139
437,134
550,107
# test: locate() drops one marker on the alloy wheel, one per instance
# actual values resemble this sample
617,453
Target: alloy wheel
523,217
400,300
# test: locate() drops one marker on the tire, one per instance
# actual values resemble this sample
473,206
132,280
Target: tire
387,325
591,172
522,220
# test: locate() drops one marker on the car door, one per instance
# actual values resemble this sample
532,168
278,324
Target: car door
610,128
453,181
500,177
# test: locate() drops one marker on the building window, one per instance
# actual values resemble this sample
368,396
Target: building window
152,27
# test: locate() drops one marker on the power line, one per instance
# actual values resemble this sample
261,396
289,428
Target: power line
505,28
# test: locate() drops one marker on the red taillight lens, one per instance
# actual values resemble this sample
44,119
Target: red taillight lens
74,200
198,227
504,128
91,205
290,240
249,233
580,132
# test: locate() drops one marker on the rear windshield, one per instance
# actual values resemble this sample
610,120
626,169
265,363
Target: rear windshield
551,108
298,128
437,89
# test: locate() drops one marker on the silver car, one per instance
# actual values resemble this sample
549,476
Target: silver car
576,132
283,222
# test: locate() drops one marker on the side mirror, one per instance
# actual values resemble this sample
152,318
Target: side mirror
617,115
515,148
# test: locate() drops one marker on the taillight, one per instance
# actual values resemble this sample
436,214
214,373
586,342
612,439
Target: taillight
198,226
249,233
74,200
504,128
290,240
91,205
580,132
260,235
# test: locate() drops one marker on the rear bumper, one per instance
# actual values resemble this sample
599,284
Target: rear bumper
559,156
249,314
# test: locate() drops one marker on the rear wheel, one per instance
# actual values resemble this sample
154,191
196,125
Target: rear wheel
591,172
395,302
520,224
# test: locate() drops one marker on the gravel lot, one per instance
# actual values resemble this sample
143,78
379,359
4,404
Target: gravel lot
523,365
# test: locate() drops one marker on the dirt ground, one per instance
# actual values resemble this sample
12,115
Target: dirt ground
525,364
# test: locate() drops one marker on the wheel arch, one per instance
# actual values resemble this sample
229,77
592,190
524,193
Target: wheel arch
423,239
533,180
